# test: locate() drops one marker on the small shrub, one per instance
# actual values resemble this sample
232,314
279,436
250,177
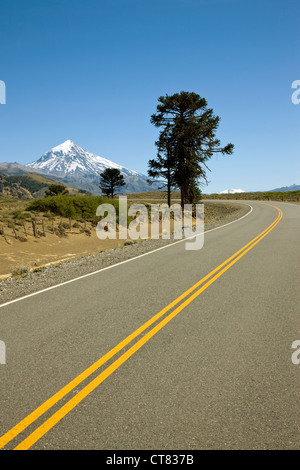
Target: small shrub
22,239
48,215
129,242
20,270
38,270
20,215
60,231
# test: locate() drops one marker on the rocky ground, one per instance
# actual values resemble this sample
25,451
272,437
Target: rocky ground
28,282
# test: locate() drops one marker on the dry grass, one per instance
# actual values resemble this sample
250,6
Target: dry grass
58,239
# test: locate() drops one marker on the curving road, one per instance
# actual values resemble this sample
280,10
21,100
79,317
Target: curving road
174,350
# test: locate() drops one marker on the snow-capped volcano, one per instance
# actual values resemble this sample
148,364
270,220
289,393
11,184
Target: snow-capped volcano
81,169
68,159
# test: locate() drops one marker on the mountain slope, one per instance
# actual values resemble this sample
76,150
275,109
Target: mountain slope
14,168
27,186
13,189
293,187
81,169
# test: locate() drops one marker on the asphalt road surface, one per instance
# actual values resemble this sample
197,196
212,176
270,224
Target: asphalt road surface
174,350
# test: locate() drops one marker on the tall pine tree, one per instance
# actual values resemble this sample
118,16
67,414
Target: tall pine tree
111,180
163,165
189,137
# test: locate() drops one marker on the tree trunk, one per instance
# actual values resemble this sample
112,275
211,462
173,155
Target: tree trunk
169,187
34,228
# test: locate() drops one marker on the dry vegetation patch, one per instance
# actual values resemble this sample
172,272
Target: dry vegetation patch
31,239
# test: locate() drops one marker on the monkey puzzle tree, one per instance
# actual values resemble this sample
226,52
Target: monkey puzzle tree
111,180
163,166
189,137
56,189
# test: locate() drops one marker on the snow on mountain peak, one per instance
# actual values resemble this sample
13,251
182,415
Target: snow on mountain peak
231,191
64,147
69,159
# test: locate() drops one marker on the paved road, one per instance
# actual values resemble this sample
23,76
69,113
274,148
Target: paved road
212,371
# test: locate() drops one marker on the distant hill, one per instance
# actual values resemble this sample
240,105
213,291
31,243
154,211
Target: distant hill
293,187
13,189
26,186
14,168
32,182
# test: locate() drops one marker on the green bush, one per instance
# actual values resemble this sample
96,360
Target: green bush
74,207
21,215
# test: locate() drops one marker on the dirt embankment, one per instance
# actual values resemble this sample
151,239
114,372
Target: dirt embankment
19,248
46,261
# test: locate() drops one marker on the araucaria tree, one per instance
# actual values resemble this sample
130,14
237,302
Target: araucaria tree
111,180
55,190
186,142
163,165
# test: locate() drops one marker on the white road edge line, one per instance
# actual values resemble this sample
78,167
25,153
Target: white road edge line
121,262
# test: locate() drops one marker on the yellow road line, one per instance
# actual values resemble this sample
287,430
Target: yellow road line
80,378
65,409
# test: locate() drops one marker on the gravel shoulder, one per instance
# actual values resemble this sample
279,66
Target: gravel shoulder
13,288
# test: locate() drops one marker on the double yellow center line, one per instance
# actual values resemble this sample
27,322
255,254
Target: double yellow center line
195,290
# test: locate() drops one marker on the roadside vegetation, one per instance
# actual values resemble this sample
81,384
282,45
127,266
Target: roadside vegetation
288,196
76,207
61,215
64,215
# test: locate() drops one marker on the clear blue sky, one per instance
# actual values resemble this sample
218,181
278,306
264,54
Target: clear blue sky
92,70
